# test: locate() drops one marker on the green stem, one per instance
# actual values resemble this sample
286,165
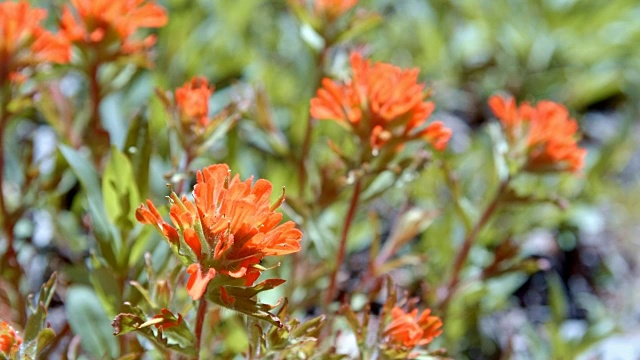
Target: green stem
306,142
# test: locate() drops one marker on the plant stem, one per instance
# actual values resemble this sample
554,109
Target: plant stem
306,142
454,188
343,241
100,137
183,184
468,242
202,312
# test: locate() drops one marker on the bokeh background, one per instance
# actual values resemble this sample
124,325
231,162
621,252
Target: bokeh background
582,53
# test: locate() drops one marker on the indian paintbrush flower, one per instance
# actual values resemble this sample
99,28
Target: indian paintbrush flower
24,42
408,330
192,100
332,9
9,340
228,228
382,104
110,25
543,134
189,114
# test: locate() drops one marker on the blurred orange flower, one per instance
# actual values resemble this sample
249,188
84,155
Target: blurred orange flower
408,330
228,228
193,100
106,22
9,340
23,42
381,103
546,131
332,9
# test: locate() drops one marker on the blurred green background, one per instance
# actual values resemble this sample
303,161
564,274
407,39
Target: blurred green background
583,53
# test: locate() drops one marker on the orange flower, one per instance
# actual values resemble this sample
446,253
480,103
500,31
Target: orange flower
9,340
381,103
546,131
228,228
23,42
106,22
332,9
408,330
193,100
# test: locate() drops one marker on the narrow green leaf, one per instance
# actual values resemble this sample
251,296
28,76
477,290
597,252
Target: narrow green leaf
108,241
119,190
557,299
88,319
45,337
35,323
138,149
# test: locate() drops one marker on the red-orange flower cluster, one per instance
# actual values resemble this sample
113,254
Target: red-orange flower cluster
546,131
332,9
381,103
192,100
112,23
9,340
409,330
228,228
24,42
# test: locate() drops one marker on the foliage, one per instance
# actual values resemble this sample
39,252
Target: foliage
421,215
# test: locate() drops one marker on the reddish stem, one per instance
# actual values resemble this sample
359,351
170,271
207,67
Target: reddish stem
469,240
343,241
202,312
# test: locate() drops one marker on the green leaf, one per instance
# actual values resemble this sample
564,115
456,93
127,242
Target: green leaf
45,337
359,27
244,299
138,149
119,190
35,323
88,319
557,299
105,284
125,323
32,348
135,321
109,242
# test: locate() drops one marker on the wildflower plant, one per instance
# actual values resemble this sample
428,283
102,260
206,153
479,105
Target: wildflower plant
319,190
